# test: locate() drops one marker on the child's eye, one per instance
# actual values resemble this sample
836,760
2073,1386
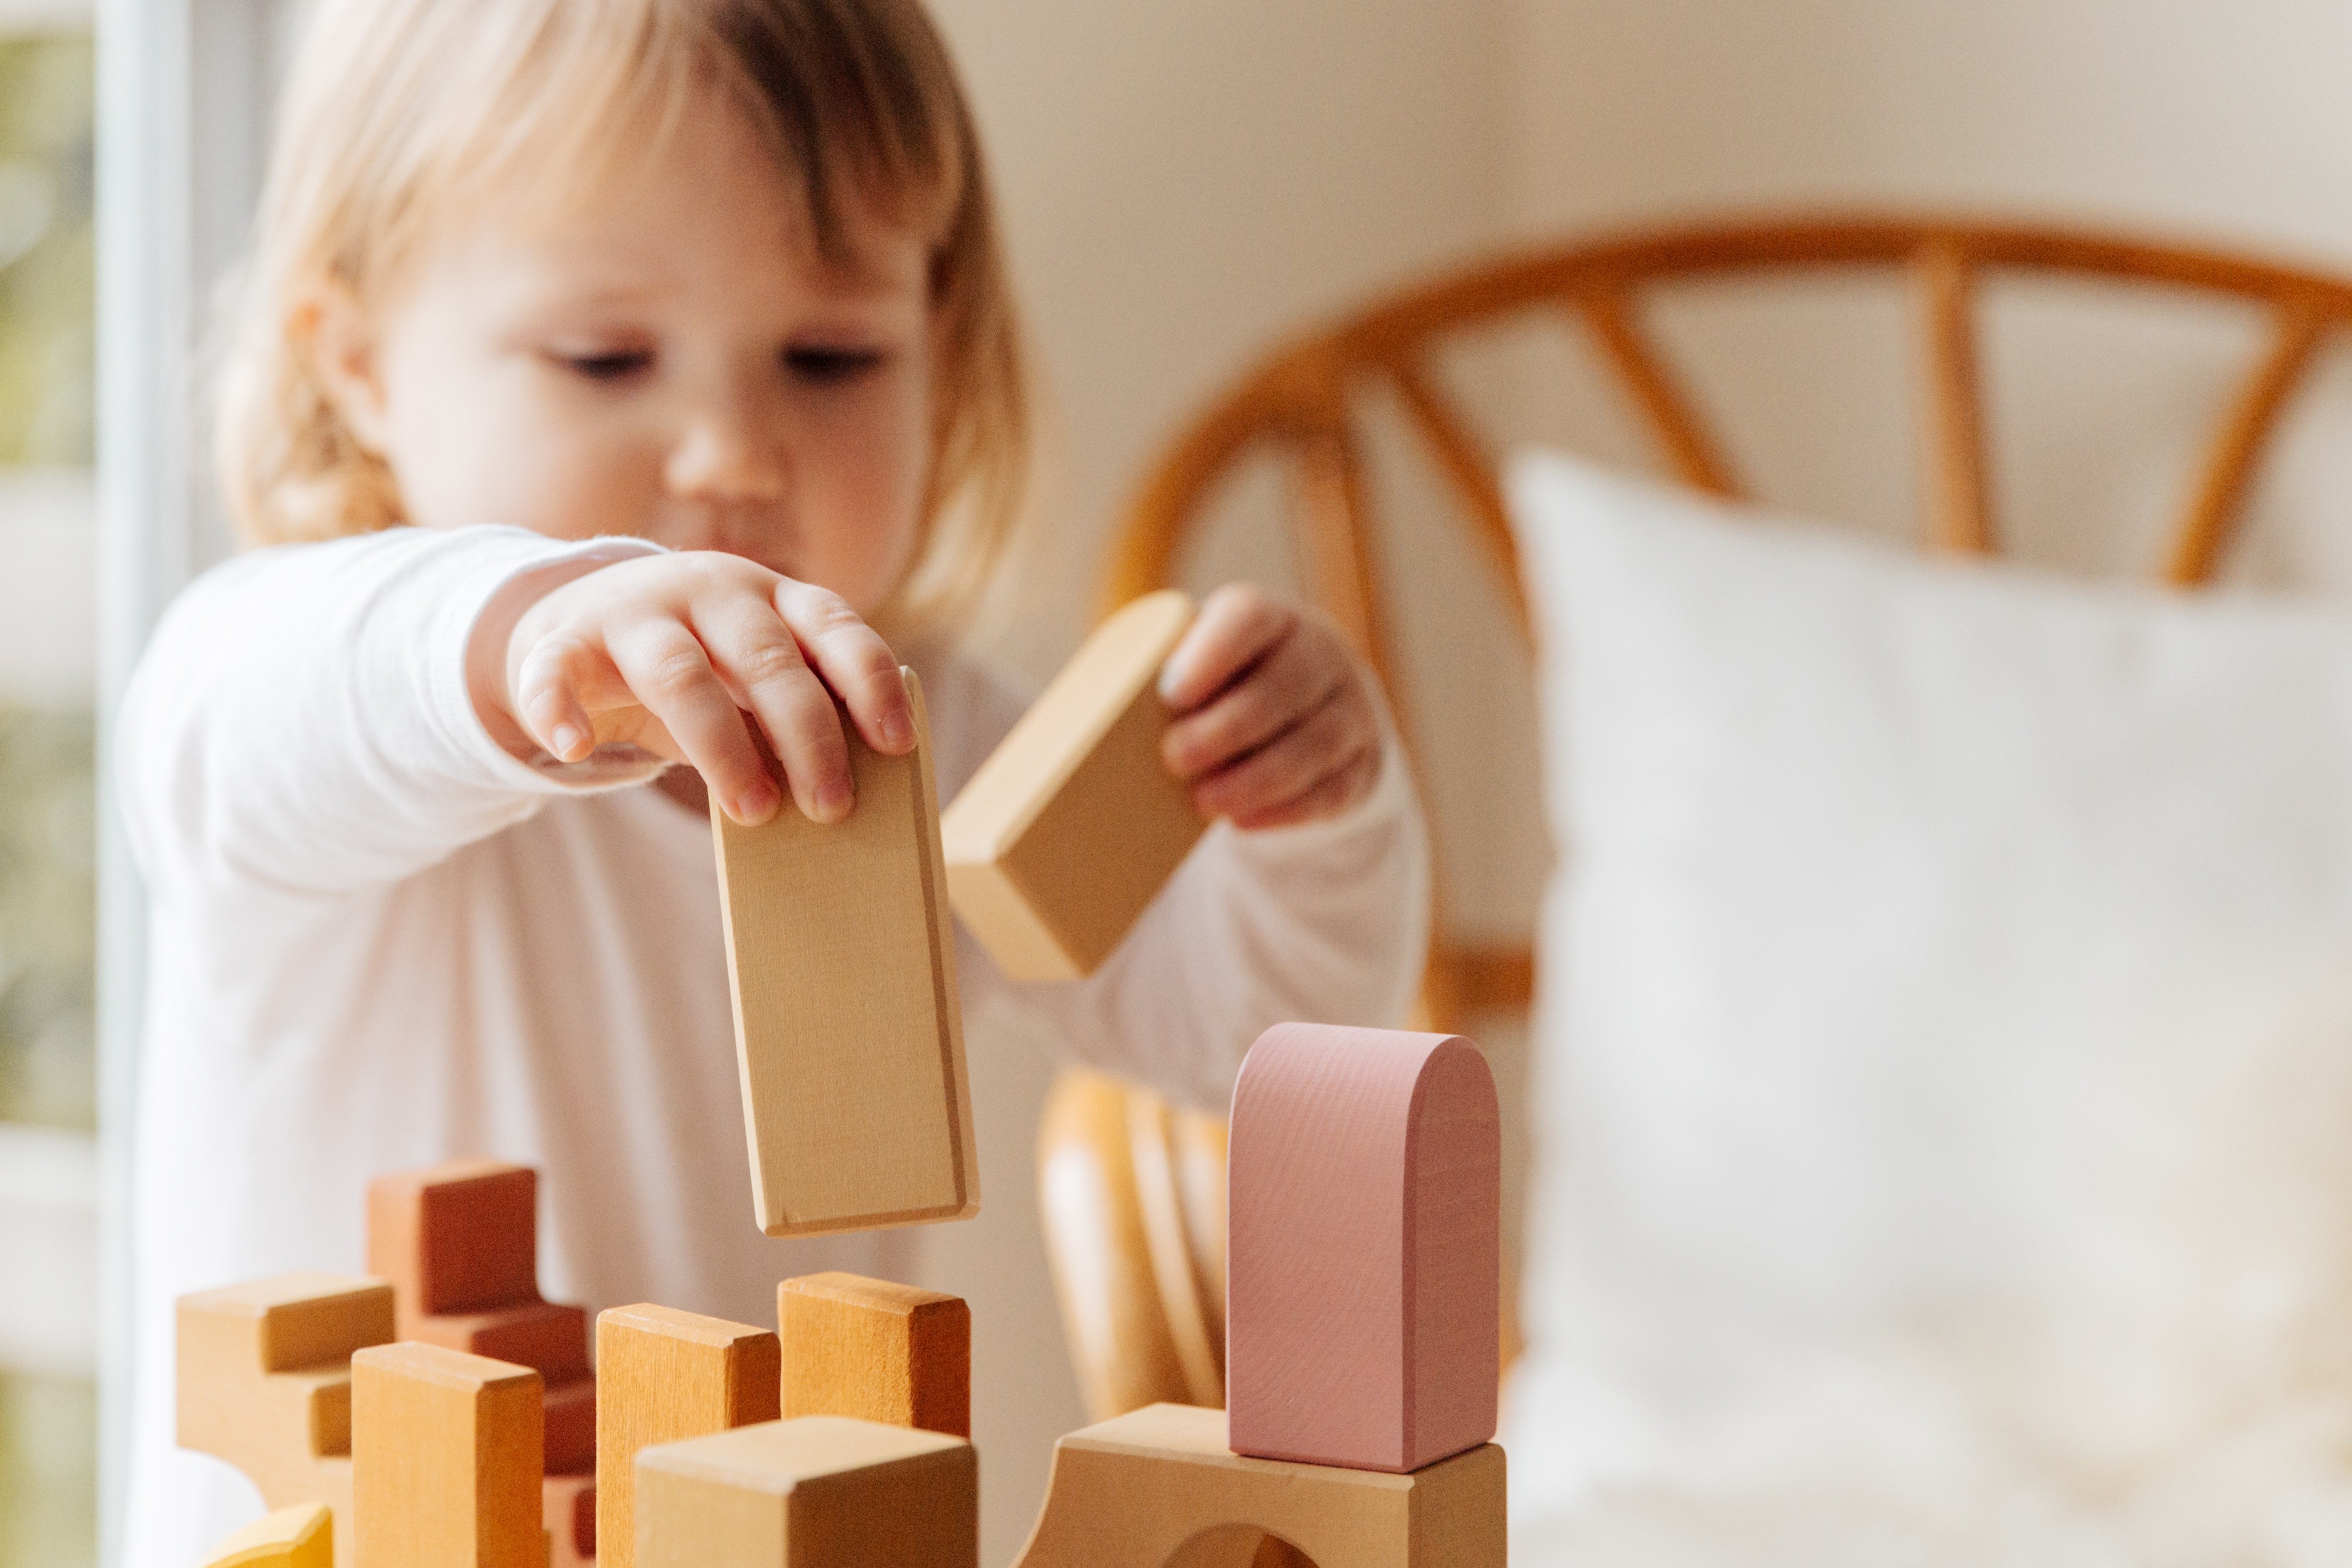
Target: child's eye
818,364
606,365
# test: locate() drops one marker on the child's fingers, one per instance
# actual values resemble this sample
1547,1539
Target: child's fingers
855,662
755,653
1287,766
1327,796
672,677
1238,626
1293,680
546,696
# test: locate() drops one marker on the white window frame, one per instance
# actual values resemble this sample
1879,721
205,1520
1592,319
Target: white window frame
183,89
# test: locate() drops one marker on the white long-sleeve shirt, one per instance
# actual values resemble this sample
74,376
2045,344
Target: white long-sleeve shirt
379,941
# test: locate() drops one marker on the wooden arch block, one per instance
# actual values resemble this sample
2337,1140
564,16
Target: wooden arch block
447,1459
1073,823
264,1381
664,1375
1365,1217
302,1536
1160,1485
824,1491
847,1024
880,1352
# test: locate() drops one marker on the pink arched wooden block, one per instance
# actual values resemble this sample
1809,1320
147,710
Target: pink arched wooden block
1365,1265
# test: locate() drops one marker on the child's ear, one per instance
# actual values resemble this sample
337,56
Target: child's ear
341,340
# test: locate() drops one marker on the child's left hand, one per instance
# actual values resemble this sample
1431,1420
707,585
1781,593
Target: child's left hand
1273,721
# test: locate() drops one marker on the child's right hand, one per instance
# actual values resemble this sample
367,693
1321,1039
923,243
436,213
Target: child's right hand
674,653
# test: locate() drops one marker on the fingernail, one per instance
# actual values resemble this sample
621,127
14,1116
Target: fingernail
567,740
833,801
898,732
756,804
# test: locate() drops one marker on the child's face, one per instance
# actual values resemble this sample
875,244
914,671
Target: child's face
667,358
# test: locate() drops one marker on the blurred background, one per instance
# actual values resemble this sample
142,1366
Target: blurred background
1183,183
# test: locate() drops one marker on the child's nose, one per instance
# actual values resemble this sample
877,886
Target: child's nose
727,455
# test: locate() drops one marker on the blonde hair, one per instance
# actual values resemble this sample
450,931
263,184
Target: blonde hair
397,110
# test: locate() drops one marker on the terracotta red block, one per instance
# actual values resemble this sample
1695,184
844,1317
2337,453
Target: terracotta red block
568,1512
572,1428
1364,1283
549,1337
457,1238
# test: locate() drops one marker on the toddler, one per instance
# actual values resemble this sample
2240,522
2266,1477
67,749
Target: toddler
616,384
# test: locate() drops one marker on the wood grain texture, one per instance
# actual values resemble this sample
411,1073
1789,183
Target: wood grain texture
876,1351
1160,1486
1365,1205
263,1380
302,1536
1073,823
823,1491
665,1374
459,1242
848,1029
446,1461
460,1237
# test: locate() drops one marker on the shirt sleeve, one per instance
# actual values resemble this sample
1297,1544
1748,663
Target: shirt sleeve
300,722
1327,921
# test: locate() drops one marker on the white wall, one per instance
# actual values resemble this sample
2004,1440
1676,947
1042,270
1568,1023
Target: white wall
1181,180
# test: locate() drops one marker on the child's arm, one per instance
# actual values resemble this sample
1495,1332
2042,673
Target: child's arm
306,718
1319,911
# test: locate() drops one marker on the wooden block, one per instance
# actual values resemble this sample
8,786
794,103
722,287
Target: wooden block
1365,1217
880,1352
302,1536
457,1238
1073,823
1158,1487
665,1374
824,1491
445,1460
263,1380
847,1026
568,1510
549,1337
570,1421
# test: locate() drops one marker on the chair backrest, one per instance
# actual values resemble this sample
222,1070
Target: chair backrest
1298,403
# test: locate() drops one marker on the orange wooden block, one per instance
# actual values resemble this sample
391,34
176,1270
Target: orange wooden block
824,1491
263,1380
848,1029
1158,1489
461,1237
445,1460
665,1374
876,1351
1365,1216
1070,827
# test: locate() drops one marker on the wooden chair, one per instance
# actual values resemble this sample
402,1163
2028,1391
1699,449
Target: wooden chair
1133,1193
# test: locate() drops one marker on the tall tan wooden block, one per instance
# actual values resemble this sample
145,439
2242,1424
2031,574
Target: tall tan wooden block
1073,823
1364,1234
302,1536
847,1026
1134,1492
446,1461
264,1381
824,1491
880,1352
664,1375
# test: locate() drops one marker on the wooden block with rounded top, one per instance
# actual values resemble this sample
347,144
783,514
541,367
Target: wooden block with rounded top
263,1380
1158,1487
848,1029
823,1491
880,1352
302,1536
461,1237
664,1375
1364,1228
1073,823
446,1460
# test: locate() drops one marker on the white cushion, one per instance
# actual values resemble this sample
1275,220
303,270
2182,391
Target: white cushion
1944,1081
